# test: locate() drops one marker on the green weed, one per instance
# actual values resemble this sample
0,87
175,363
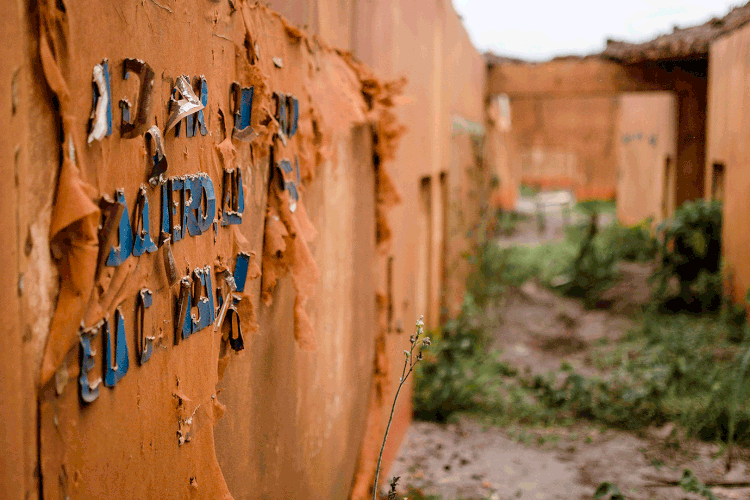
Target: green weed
684,371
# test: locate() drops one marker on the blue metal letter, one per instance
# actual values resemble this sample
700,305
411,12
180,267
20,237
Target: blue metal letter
165,226
89,390
192,197
145,74
240,270
203,298
143,241
101,118
207,218
282,114
233,201
242,99
199,124
184,324
114,372
178,200
294,103
118,254
145,299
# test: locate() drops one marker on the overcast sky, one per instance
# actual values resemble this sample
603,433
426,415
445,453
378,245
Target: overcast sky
542,29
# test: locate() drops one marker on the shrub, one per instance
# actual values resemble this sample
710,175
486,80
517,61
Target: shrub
632,243
691,253
593,271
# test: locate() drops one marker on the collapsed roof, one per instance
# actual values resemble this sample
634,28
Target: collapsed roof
682,43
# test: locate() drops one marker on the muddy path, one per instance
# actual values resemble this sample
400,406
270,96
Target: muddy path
539,330
471,461
536,331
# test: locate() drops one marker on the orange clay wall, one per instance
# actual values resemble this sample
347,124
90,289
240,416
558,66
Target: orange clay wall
448,153
102,402
563,121
334,285
646,144
567,142
728,114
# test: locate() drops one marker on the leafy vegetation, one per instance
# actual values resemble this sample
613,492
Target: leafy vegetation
688,482
691,254
681,370
589,207
458,374
592,272
677,368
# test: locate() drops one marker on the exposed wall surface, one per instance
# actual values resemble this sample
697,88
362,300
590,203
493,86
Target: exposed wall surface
728,116
564,116
565,76
563,121
122,380
567,142
646,144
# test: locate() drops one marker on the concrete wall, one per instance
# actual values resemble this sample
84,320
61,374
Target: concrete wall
728,116
646,144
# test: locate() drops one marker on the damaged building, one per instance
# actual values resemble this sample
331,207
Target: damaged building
727,153
629,123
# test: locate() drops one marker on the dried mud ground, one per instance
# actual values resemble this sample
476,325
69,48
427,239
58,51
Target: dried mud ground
539,329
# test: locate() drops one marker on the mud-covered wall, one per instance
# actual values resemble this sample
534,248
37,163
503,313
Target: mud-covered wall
567,142
563,121
195,311
442,156
646,144
447,156
728,115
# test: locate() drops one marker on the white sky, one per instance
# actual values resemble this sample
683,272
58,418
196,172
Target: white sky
542,29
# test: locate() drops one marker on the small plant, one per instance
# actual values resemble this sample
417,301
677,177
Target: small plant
688,482
632,243
736,396
460,374
691,484
417,343
608,491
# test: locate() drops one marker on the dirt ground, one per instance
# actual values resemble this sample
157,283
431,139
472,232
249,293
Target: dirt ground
539,330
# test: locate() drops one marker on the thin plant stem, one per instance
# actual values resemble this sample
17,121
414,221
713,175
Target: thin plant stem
409,361
385,437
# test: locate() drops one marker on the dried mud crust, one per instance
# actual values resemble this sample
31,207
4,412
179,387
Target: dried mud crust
471,461
539,328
